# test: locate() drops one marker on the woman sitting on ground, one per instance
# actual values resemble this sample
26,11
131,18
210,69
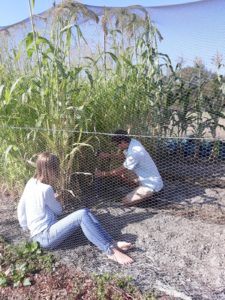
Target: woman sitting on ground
38,209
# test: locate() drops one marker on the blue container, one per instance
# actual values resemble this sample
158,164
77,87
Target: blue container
222,151
205,149
188,146
171,145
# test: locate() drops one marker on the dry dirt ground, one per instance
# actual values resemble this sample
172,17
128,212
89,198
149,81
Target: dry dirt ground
179,237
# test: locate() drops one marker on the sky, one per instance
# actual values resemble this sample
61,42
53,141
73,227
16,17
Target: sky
13,11
194,30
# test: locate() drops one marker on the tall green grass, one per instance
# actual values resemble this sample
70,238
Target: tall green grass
51,89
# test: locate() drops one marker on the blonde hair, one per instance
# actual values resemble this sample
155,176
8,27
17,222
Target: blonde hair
47,168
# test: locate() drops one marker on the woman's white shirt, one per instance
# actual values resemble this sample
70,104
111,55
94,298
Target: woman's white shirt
38,207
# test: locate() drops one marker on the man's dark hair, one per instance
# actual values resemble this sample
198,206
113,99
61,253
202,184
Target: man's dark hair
120,135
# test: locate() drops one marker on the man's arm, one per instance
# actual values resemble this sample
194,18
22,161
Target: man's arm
115,172
115,155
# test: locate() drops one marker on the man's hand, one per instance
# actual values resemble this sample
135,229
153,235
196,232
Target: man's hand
106,173
99,173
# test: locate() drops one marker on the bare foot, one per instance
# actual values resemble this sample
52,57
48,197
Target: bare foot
120,257
124,246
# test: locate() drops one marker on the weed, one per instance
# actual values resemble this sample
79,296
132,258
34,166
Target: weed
19,262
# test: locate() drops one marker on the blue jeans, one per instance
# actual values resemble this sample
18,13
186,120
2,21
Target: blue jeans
62,229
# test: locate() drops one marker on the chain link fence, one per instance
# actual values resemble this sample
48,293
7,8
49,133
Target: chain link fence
69,78
178,232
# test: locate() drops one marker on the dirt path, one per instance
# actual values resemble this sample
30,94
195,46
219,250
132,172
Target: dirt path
179,244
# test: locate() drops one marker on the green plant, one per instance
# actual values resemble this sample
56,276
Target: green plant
52,91
122,286
19,262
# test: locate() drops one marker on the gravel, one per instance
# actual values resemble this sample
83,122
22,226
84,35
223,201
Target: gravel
179,239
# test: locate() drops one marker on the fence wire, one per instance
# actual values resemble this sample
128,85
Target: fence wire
81,72
178,232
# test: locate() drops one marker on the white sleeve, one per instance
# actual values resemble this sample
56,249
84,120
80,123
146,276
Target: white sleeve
51,201
21,214
131,162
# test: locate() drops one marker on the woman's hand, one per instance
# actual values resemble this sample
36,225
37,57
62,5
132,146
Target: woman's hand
58,196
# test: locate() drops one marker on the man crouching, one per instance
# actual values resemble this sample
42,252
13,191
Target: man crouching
139,162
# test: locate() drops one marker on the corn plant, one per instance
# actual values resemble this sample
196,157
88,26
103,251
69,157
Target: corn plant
55,91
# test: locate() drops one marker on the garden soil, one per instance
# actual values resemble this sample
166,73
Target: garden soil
179,239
